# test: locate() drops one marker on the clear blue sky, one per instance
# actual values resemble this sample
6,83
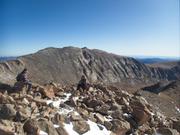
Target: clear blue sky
124,27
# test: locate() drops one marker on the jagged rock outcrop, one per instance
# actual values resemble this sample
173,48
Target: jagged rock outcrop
66,65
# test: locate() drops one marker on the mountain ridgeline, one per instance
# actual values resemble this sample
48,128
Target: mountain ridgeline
66,65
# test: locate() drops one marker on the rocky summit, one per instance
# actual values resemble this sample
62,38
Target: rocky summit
54,109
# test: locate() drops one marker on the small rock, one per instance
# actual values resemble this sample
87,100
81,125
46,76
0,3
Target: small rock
58,119
74,117
92,118
108,125
100,118
103,109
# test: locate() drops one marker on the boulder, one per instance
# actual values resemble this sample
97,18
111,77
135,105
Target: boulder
75,117
47,126
61,131
117,114
120,127
58,119
167,131
6,127
46,113
92,103
19,128
60,94
108,125
48,91
25,112
176,125
7,111
5,99
31,127
80,127
141,116
84,113
103,109
100,118
73,102
5,131
140,110
122,101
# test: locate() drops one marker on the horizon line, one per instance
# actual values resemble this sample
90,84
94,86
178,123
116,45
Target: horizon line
127,55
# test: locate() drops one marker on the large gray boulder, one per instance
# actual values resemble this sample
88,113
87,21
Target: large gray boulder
7,111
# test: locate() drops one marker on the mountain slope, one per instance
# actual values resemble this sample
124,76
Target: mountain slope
66,65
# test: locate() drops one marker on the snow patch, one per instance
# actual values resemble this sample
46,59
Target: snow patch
76,113
69,129
65,110
67,97
108,118
59,101
178,109
126,115
94,129
42,133
56,126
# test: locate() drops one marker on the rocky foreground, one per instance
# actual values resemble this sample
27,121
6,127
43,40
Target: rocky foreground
63,110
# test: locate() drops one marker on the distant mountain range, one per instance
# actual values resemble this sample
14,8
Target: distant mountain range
156,60
2,59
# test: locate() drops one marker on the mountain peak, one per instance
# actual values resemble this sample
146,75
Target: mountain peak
66,65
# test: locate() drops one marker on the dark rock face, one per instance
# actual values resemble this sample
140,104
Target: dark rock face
66,65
